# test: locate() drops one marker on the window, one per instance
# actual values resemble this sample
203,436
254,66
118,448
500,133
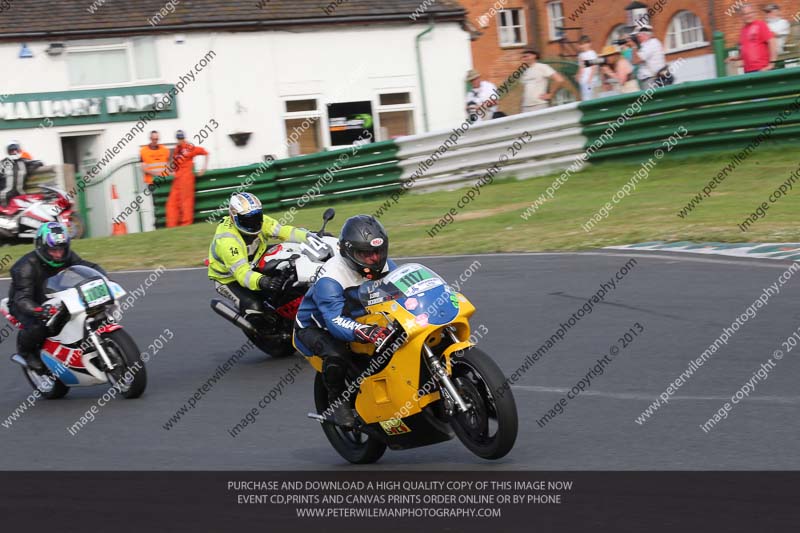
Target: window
302,121
395,115
111,61
620,31
685,31
511,29
555,20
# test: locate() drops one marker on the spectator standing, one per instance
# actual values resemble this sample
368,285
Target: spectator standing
650,56
23,154
180,203
588,77
757,45
778,25
154,158
617,72
535,81
481,94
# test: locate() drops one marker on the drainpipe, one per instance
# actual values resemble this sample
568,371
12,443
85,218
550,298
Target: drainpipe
431,24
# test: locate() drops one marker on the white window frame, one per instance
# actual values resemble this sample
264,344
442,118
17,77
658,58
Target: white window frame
501,15
378,108
617,32
676,28
321,119
124,44
554,21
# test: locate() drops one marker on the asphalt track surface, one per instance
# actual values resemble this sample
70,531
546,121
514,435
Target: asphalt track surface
682,302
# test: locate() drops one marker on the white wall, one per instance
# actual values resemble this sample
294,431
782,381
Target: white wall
258,70
696,68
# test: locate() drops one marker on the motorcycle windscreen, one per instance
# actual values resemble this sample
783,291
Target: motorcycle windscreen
71,277
90,284
416,288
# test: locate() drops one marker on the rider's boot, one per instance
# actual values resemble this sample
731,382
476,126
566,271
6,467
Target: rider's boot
34,362
333,372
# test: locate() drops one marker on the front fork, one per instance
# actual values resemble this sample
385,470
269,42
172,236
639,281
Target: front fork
100,349
440,374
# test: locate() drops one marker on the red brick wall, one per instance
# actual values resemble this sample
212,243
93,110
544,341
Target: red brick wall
731,25
597,21
493,62
600,18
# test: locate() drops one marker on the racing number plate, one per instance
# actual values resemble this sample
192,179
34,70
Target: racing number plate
95,293
394,426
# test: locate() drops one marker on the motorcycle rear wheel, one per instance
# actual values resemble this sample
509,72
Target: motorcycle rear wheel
489,428
51,388
124,349
354,446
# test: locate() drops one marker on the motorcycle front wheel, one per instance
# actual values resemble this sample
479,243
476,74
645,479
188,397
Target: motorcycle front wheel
489,428
354,446
129,375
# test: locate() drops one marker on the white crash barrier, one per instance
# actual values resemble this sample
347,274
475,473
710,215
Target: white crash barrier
553,142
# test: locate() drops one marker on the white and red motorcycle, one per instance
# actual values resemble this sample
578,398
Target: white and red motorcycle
86,347
21,218
298,265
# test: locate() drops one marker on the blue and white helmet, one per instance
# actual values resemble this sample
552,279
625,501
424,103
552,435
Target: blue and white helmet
246,213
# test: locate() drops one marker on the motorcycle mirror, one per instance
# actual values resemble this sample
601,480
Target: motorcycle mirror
327,216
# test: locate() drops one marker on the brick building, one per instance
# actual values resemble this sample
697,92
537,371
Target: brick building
501,28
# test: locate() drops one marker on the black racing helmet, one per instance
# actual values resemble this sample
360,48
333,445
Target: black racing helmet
364,245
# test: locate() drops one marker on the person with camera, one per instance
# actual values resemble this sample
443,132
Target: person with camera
650,58
481,98
617,70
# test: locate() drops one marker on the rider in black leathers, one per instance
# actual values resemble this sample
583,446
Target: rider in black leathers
29,277
14,171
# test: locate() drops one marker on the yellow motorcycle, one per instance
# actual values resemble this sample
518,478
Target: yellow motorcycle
426,382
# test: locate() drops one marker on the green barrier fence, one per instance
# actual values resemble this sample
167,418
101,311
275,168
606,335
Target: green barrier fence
281,184
720,114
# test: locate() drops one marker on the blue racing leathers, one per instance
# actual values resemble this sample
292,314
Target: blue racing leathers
330,304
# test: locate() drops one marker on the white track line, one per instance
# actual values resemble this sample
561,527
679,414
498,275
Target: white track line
651,397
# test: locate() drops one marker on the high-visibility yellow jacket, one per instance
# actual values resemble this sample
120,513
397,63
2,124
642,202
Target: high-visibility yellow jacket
230,259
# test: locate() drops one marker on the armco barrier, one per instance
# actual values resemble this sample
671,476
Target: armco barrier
556,140
307,179
721,114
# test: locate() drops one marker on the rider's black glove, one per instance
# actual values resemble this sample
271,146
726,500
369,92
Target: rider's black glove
372,334
270,283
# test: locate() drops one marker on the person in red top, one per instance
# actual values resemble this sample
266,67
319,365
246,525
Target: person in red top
757,44
180,203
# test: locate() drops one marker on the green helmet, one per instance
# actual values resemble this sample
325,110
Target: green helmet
52,243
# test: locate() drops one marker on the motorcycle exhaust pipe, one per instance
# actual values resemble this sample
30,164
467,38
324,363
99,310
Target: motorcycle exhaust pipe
232,316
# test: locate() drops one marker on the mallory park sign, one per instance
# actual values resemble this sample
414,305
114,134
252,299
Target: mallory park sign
90,106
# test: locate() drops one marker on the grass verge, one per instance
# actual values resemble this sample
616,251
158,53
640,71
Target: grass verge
492,222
